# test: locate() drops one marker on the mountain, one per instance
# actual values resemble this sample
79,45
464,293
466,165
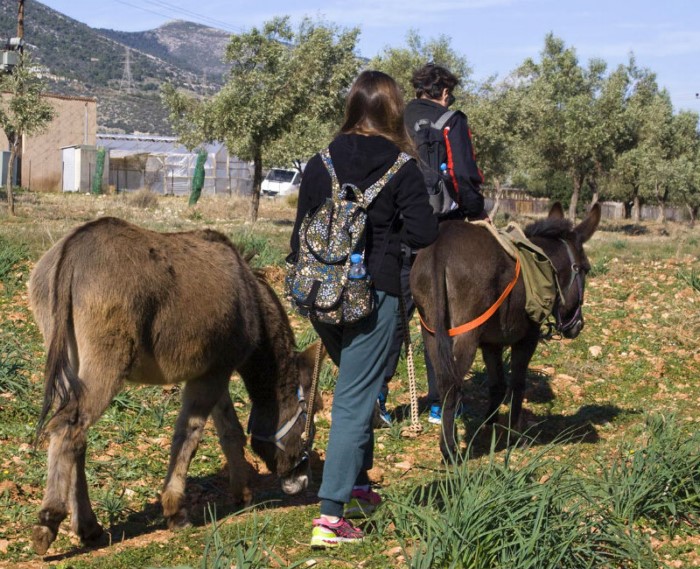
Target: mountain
189,46
122,70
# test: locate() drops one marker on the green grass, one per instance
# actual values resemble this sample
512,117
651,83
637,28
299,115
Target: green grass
512,512
606,477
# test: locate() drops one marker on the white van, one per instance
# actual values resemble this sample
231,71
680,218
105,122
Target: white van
280,182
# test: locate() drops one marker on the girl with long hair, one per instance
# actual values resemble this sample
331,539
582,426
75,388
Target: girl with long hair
367,146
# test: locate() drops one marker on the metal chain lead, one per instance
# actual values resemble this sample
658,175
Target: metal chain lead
312,395
415,427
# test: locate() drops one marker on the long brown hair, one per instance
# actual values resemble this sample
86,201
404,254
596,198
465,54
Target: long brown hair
375,107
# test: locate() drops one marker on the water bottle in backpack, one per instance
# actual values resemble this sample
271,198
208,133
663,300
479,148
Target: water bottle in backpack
357,268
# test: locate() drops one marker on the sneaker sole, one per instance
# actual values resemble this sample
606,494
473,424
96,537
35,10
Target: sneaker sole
326,542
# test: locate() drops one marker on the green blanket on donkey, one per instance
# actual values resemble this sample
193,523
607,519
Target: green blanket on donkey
539,276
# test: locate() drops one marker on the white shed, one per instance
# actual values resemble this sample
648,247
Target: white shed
79,165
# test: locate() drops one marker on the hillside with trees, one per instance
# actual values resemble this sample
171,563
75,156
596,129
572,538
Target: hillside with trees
554,126
78,60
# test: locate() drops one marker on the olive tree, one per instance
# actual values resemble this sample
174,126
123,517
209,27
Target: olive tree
23,112
494,117
562,127
281,79
401,62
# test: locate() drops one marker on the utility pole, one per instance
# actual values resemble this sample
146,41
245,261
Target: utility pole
20,47
127,80
10,54
20,20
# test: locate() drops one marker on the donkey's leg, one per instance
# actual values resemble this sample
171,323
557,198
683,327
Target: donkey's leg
66,485
493,358
464,349
232,440
61,465
102,370
521,354
198,399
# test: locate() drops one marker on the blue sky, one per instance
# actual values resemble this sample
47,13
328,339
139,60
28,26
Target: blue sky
495,36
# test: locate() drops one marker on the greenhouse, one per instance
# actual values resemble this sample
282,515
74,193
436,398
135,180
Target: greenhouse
163,165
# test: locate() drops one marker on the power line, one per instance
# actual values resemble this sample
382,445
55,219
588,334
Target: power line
172,8
223,25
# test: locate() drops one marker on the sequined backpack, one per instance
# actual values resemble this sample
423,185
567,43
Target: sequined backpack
317,283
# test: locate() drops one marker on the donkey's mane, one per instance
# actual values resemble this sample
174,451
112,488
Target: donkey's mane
549,227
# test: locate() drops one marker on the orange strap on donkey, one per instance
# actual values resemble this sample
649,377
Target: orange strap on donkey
486,315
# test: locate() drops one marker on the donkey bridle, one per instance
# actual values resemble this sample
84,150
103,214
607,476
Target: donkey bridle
278,438
577,276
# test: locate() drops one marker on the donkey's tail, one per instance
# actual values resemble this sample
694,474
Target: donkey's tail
61,382
445,367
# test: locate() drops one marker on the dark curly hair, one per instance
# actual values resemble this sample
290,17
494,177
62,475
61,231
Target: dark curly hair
430,80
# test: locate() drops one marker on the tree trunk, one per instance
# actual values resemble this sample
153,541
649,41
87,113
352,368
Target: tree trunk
10,177
661,217
693,213
636,206
257,182
497,201
573,205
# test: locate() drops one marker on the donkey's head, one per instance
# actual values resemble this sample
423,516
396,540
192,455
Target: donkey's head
571,263
278,430
565,251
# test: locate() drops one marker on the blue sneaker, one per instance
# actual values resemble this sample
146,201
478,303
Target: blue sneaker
381,412
435,416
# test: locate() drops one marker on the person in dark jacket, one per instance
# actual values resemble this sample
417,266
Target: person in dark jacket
434,86
369,143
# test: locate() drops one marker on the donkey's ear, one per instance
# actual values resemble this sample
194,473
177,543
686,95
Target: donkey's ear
556,211
310,353
587,227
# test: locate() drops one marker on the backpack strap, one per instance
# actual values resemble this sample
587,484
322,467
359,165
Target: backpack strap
442,121
373,191
328,163
438,124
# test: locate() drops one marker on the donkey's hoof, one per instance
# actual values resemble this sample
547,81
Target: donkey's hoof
179,520
94,536
244,498
42,538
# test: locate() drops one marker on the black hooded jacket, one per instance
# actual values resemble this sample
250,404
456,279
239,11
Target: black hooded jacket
401,211
466,175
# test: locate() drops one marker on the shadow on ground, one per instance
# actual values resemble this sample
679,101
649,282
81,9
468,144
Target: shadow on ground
204,496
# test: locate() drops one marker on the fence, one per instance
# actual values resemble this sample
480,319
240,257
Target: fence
518,202
162,182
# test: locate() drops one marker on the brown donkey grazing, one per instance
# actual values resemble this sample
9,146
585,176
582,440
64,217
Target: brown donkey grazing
117,303
461,275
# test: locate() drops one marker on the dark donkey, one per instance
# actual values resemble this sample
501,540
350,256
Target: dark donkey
117,303
460,276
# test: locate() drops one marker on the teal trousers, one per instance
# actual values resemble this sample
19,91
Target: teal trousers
359,350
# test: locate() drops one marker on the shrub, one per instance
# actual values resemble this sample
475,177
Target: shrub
255,246
144,199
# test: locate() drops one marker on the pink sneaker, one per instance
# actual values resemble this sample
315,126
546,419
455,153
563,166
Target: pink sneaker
362,503
327,534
